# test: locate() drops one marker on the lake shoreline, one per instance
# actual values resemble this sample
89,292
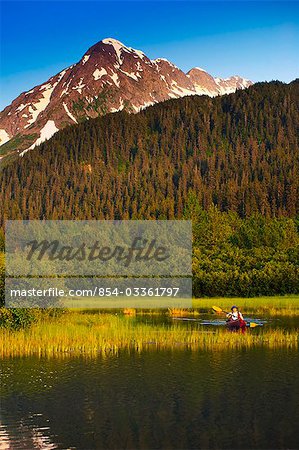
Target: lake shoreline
92,333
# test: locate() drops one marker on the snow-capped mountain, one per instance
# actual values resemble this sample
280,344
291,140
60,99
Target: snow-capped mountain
109,77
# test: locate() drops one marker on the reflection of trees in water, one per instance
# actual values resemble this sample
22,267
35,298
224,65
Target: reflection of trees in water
24,433
4,438
162,400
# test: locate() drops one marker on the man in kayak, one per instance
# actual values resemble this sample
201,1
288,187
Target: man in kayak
235,320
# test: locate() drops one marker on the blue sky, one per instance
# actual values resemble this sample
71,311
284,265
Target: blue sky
258,40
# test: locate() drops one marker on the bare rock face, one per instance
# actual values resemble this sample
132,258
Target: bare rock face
108,78
203,82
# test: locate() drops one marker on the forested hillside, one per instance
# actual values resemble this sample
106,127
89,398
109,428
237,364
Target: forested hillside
230,164
239,152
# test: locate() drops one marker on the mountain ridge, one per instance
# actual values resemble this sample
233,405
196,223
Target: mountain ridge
109,77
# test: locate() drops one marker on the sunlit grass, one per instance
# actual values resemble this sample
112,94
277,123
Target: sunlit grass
129,311
75,334
91,333
273,306
270,306
180,312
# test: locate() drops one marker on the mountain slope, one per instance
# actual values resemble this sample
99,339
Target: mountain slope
239,152
108,78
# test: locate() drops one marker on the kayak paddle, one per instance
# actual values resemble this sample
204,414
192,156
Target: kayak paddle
253,325
219,310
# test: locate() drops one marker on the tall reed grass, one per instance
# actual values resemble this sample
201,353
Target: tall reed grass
76,334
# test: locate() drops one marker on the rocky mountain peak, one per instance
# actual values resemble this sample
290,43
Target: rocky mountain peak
109,77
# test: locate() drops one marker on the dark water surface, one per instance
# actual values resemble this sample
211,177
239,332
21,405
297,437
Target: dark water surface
214,321
152,400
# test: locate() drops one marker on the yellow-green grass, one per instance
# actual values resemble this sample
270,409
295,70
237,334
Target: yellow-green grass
86,334
273,306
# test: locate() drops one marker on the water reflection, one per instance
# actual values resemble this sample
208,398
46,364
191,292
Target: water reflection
211,321
168,400
25,434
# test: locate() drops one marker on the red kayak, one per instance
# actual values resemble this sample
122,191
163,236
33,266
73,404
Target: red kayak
236,325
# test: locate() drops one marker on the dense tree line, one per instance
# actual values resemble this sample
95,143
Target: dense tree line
237,257
239,152
243,257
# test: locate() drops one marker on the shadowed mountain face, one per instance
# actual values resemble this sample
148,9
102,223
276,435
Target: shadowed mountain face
110,77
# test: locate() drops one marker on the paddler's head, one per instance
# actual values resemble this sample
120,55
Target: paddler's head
234,308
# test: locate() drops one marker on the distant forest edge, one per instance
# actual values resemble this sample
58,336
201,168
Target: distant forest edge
232,256
229,163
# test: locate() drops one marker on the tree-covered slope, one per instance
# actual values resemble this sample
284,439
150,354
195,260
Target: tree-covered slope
239,152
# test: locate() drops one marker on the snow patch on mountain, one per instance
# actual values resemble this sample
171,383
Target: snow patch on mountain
126,78
132,75
45,133
69,113
146,104
29,92
115,79
4,137
36,108
22,106
139,53
65,90
97,74
200,69
180,91
85,59
199,90
117,45
164,60
79,86
45,87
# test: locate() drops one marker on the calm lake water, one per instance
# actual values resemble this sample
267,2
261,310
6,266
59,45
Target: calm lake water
152,400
